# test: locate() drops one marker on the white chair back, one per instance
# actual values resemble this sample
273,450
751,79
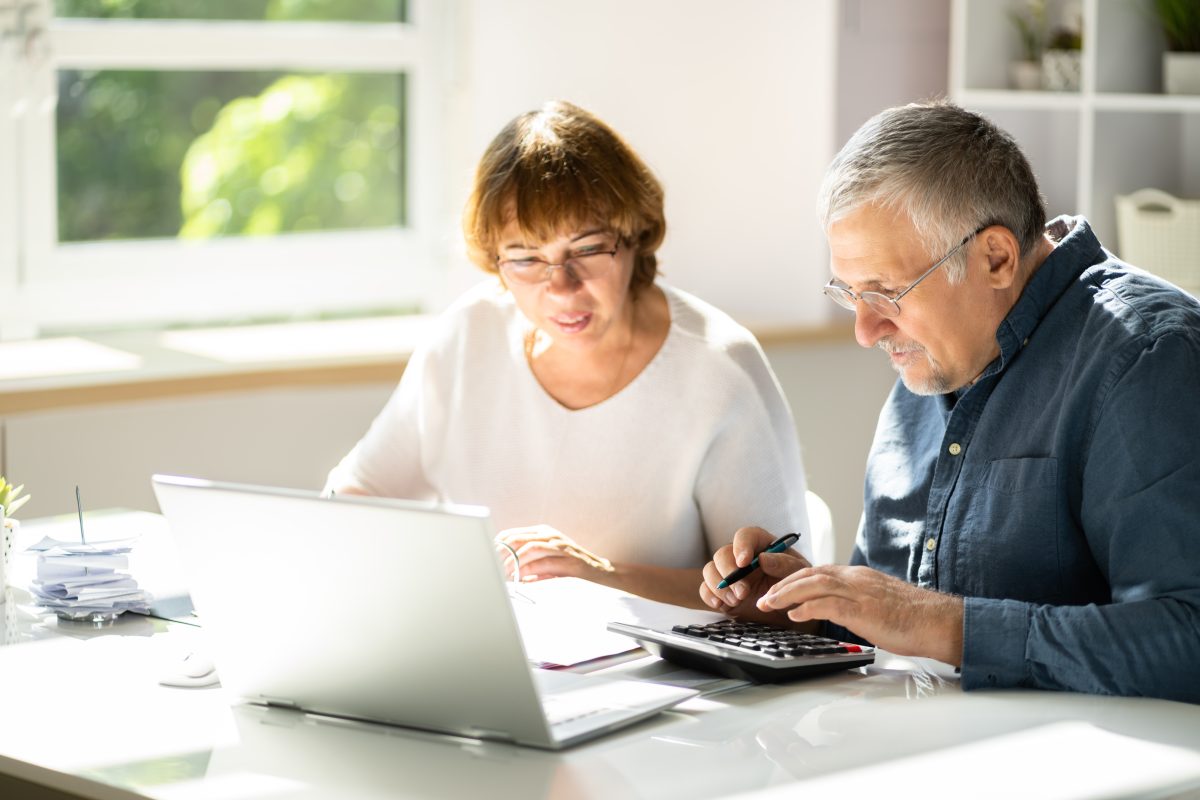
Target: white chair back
820,526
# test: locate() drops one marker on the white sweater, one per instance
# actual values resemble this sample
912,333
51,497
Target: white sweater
696,446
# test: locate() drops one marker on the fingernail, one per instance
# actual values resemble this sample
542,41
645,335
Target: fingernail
739,591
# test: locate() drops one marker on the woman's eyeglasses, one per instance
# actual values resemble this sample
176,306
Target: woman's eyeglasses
585,264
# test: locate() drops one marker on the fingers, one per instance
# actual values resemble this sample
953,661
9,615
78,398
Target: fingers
843,595
836,609
535,533
560,567
711,600
508,564
747,542
560,557
804,585
780,565
533,551
720,599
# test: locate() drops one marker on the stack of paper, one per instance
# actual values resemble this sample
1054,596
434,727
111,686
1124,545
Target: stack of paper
86,581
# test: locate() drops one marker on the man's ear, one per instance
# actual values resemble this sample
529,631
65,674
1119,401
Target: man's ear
1003,253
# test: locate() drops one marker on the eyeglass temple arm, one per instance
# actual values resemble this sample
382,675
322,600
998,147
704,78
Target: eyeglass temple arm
942,260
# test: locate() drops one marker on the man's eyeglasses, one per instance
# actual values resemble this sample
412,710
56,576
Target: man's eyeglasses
585,263
879,302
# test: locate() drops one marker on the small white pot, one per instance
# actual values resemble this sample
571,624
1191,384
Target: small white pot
8,532
1025,76
1181,73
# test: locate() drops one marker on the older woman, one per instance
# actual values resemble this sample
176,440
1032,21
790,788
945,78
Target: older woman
618,429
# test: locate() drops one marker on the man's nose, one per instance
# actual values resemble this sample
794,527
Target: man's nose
870,326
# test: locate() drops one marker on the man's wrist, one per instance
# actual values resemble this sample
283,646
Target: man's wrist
947,646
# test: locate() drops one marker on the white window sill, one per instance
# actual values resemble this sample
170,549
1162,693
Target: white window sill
45,374
137,365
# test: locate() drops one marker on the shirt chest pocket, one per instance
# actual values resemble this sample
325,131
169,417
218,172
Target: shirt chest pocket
1004,527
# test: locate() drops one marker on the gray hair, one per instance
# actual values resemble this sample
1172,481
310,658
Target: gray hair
950,171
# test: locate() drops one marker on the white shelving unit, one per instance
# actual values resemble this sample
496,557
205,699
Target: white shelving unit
1117,134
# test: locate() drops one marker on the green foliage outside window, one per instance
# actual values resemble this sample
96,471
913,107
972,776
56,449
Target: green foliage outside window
307,153
146,154
306,10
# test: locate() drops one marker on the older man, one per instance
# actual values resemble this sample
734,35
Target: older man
1032,499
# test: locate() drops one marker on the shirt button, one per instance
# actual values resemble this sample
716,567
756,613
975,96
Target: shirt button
930,543
955,448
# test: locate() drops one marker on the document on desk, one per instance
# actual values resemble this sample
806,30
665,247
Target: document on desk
563,620
78,579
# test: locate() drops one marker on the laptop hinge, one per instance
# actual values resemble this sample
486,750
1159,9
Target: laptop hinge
489,734
277,702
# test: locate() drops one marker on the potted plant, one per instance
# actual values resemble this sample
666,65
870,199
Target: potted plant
1062,64
10,501
1029,20
1180,23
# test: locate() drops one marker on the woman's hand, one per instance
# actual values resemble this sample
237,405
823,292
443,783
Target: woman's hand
740,600
544,552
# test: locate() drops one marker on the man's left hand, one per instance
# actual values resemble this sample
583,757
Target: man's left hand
893,614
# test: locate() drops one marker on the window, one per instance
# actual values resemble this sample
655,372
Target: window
167,161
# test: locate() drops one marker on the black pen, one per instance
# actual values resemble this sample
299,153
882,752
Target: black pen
777,546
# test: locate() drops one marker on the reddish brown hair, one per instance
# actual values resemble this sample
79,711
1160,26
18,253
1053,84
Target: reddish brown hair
560,168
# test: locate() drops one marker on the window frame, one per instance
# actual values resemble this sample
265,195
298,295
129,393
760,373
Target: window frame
138,283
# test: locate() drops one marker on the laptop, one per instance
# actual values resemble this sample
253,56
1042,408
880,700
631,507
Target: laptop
381,610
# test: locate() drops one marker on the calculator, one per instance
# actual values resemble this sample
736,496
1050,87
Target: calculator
749,650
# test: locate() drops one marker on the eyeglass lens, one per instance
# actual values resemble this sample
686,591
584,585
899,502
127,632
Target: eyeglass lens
583,266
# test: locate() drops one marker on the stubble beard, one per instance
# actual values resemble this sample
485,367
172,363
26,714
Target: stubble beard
936,383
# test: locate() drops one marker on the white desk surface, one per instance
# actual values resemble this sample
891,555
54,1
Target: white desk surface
81,711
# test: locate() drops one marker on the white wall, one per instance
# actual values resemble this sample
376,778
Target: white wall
732,105
889,53
737,107
277,437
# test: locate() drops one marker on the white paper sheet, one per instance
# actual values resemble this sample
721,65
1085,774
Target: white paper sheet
563,620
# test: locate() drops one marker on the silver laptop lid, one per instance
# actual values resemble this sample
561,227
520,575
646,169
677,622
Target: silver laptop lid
369,608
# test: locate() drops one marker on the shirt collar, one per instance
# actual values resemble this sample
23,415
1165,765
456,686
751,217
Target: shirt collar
1076,248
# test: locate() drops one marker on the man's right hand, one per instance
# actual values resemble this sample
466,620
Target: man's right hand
739,600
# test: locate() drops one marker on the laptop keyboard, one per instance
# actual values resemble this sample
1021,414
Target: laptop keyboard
757,638
568,707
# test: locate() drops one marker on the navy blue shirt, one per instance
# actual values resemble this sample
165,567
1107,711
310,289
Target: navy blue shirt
1060,493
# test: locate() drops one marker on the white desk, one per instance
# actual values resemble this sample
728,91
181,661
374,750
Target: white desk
81,711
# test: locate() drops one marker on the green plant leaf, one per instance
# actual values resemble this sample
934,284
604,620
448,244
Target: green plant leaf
1180,22
10,499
